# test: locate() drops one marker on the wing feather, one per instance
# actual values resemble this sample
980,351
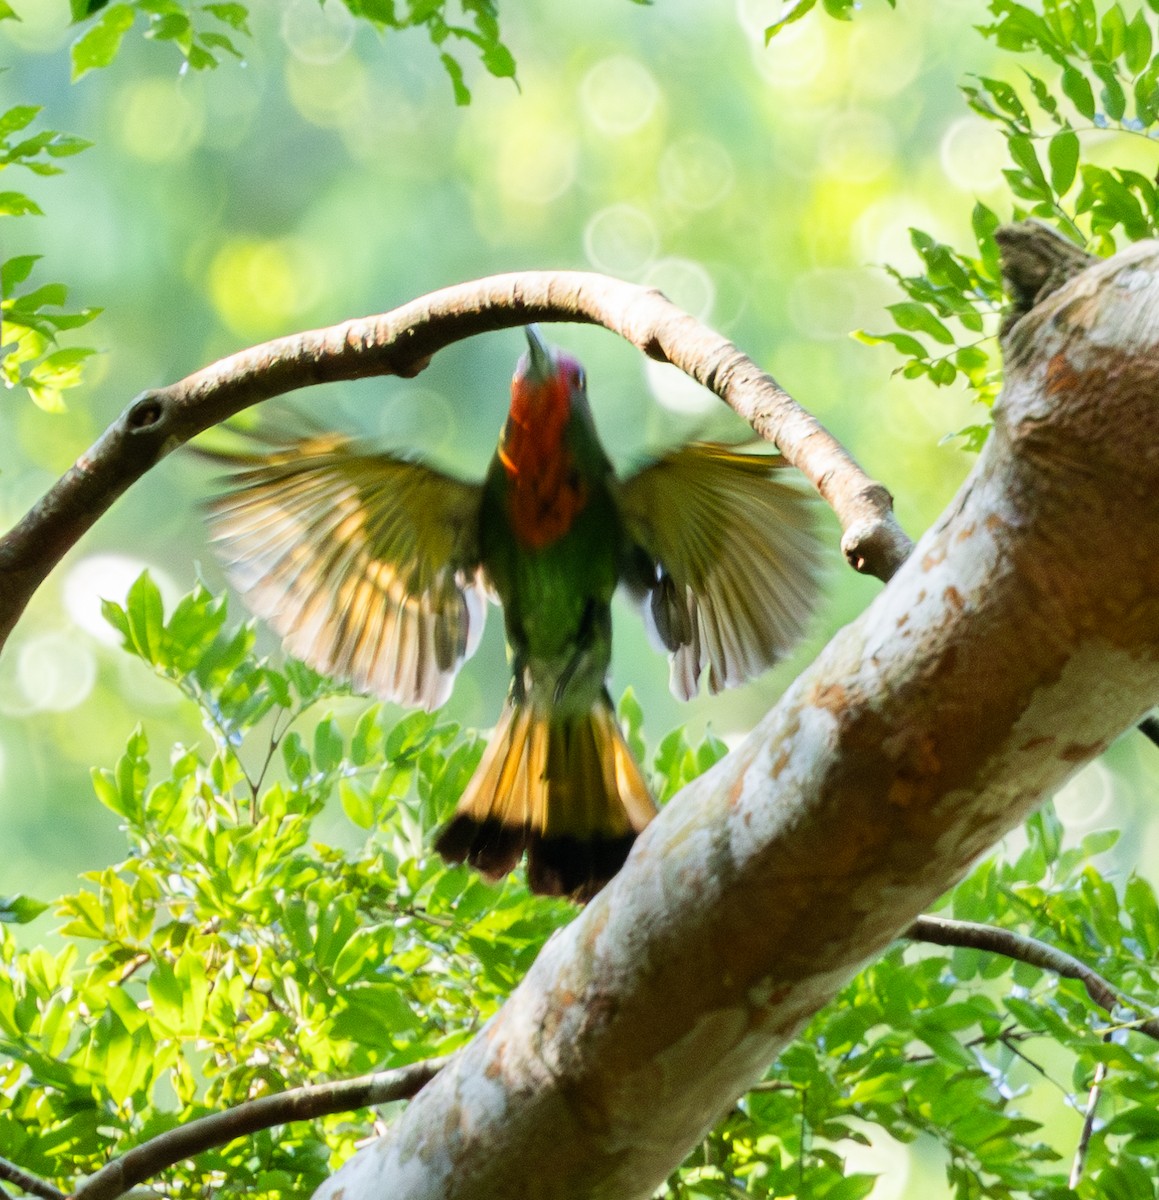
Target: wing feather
737,560
366,564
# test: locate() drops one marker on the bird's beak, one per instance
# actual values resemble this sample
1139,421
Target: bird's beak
540,363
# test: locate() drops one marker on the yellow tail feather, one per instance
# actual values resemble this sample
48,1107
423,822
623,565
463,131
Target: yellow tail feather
565,788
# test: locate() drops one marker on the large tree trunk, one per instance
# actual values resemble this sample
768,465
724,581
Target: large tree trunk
1019,638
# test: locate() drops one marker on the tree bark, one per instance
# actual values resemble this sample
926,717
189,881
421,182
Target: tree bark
1019,638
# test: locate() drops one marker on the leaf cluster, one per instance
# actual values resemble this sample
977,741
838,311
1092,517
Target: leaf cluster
1089,83
278,920
842,10
205,33
31,319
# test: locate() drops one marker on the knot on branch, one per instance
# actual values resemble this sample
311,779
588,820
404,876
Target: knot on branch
1036,261
145,412
874,543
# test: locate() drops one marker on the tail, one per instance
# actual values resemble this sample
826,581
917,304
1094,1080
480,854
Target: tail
566,788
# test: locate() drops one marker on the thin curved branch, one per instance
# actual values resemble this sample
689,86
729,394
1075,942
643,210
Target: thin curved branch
30,1185
402,342
973,935
298,1104
1078,1163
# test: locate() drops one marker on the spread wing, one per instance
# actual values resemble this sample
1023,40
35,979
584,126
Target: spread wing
737,560
366,564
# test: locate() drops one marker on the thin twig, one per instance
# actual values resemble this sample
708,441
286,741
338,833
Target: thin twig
973,935
298,1104
31,1185
1012,1046
132,967
402,342
1080,1154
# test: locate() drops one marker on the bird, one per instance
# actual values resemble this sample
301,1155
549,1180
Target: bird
377,568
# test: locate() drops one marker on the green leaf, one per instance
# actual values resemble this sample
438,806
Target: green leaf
16,204
1139,901
903,342
499,61
918,318
50,295
800,9
105,786
357,803
19,910
328,746
1042,94
1023,153
367,740
82,9
1138,43
841,9
295,757
1099,842
462,92
1114,32
632,719
1064,159
1112,95
19,117
146,619
16,270
234,15
172,27
1006,99
1078,91
973,437
98,45
64,145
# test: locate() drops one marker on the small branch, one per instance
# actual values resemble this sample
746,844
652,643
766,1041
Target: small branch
402,342
1080,1154
132,967
31,1185
298,1104
942,931
771,1085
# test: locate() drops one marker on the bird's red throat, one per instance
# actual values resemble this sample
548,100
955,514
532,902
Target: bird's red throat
545,490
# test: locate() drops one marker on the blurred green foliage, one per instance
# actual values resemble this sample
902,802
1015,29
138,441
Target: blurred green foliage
1089,73
233,953
843,10
30,320
322,173
205,32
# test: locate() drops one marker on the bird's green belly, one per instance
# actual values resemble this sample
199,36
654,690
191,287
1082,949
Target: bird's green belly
557,605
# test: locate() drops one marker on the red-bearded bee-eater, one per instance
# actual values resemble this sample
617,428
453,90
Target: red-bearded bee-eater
376,569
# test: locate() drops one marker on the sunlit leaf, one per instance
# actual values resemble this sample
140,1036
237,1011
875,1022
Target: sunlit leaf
98,45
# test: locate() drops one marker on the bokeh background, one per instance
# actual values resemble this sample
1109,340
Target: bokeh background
330,175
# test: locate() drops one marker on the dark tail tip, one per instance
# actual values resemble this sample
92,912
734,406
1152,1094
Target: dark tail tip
567,866
560,866
491,847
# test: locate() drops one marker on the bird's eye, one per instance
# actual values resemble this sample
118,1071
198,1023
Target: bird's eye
579,377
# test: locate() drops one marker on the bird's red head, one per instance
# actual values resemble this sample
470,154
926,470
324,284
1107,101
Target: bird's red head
545,385
545,382
545,496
